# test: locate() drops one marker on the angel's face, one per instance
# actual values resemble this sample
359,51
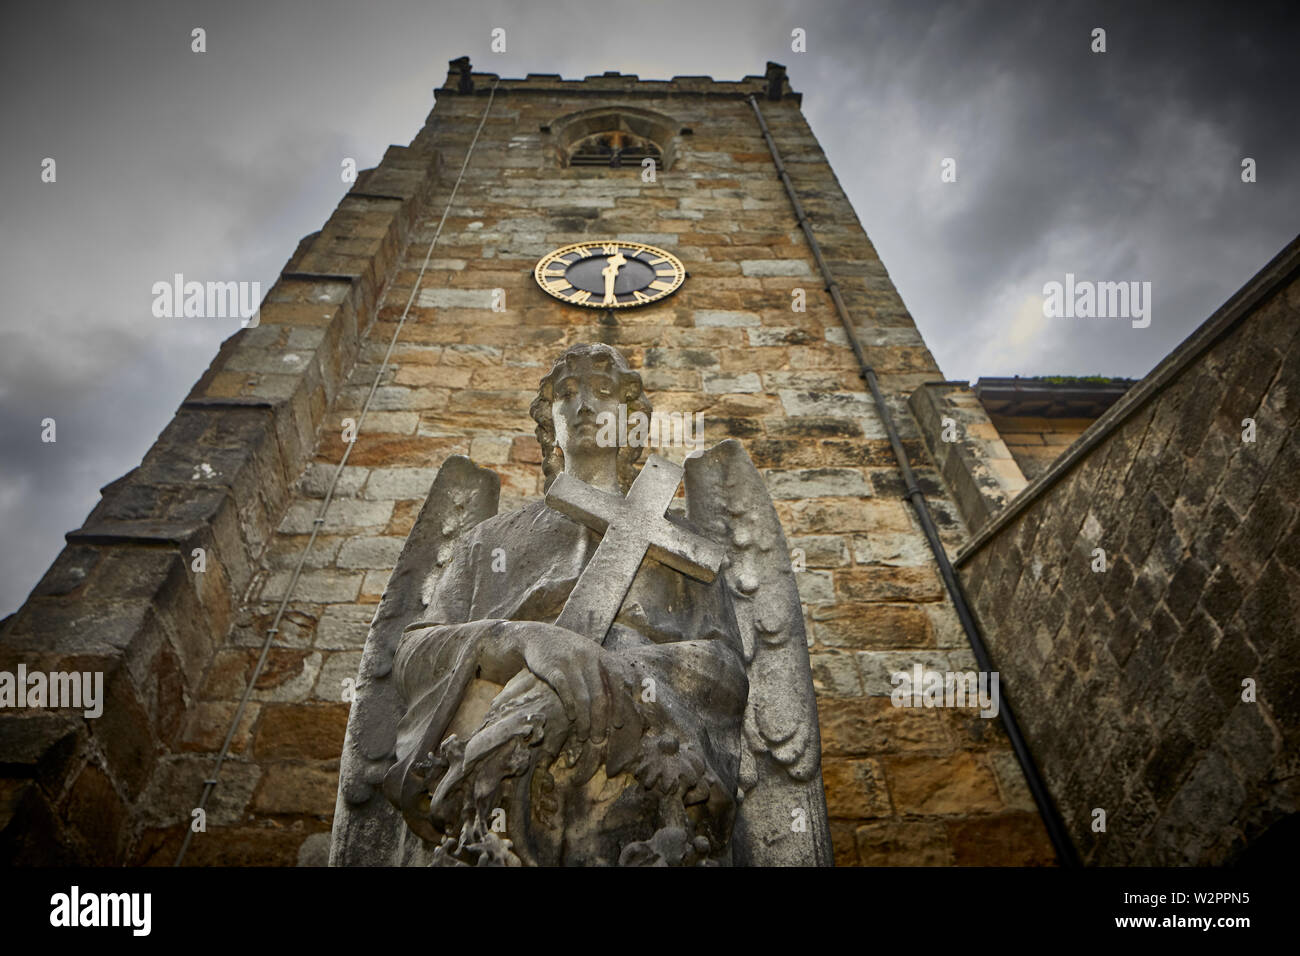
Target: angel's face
585,399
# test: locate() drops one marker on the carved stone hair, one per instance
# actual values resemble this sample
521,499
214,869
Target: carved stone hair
630,393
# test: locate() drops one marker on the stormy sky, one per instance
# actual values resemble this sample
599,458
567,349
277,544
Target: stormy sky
1123,165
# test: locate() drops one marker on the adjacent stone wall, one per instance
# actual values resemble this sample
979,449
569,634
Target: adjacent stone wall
1129,682
903,786
1037,442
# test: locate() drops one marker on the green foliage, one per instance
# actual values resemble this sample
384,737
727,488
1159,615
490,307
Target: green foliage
1069,379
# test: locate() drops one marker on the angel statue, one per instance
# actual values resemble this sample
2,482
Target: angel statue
593,679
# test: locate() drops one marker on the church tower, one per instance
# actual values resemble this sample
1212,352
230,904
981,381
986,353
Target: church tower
225,586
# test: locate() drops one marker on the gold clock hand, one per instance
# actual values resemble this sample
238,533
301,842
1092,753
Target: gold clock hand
610,272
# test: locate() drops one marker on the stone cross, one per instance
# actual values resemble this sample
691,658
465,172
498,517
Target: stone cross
631,528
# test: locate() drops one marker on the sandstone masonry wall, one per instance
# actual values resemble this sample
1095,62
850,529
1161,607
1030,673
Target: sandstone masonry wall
903,786
1037,442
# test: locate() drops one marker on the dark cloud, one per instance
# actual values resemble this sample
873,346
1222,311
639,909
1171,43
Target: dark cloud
1122,165
1114,166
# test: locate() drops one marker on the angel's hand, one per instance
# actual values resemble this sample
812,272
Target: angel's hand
570,664
573,666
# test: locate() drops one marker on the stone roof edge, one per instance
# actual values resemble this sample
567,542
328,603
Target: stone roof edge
1016,393
1282,269
623,84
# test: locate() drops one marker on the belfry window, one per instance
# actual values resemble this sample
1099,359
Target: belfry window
613,149
613,137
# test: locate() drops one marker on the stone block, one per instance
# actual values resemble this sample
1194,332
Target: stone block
855,788
444,298
316,480
873,626
342,515
370,552
719,317
775,267
856,406
1009,839
337,668
889,584
821,550
941,785
835,674
208,722
816,483
301,731
319,586
903,843
907,549
815,587
97,814
289,788
344,626
867,726
490,450
844,843
176,788
288,675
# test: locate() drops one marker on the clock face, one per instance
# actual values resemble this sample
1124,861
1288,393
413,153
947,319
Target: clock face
610,274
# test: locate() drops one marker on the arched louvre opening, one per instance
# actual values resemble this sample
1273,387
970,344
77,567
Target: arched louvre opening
613,137
614,148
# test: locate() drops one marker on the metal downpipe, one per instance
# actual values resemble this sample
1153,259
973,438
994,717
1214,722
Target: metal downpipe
1056,830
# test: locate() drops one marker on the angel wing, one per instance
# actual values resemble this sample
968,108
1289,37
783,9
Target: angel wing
368,830
782,817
